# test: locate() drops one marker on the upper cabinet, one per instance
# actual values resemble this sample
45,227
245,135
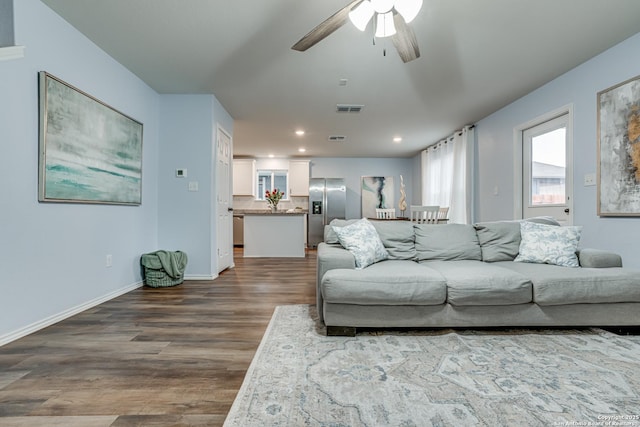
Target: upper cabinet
7,48
6,23
298,178
244,177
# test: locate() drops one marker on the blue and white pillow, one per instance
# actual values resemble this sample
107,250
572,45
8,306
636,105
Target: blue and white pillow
363,241
549,244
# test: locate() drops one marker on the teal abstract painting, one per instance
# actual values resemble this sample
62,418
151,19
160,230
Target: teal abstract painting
89,152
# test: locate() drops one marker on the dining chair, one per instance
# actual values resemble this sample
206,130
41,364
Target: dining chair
385,213
424,214
443,214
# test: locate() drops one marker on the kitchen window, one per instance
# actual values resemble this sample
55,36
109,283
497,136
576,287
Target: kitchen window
271,180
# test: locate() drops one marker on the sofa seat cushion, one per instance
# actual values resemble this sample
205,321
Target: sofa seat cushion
480,283
391,282
556,285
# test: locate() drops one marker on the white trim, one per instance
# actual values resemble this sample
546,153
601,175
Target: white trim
199,277
11,52
214,197
517,152
471,170
41,324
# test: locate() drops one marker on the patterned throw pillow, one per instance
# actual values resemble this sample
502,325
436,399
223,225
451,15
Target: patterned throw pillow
362,240
549,244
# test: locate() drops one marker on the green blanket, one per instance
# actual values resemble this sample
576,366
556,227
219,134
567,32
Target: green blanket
173,263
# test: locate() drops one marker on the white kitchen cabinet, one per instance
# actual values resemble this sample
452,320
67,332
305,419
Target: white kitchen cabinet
244,177
299,178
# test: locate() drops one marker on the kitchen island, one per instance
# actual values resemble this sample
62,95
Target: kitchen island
278,234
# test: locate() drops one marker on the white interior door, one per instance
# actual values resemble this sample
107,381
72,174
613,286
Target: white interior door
547,170
223,200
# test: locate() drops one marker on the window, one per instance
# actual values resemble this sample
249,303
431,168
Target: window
548,167
272,180
447,168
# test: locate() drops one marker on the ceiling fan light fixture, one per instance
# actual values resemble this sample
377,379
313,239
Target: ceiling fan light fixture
408,9
385,26
361,15
382,6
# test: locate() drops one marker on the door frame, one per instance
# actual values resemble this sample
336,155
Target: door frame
518,143
220,129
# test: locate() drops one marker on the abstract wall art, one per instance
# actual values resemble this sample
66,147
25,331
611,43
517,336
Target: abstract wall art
619,149
377,192
89,152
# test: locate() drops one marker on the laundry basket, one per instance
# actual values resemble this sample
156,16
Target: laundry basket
163,268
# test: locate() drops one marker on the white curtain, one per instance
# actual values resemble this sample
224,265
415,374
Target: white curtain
447,171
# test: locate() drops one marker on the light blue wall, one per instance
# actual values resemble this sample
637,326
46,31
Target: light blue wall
222,118
578,87
416,162
353,169
186,218
53,255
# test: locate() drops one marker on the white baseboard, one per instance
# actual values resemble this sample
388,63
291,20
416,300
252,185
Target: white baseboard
198,277
41,324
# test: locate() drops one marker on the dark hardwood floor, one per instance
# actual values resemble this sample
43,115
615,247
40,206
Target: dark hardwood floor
153,357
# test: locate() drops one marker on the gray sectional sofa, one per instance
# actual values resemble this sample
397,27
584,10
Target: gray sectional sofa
457,275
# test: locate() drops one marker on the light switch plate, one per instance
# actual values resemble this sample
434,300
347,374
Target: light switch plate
589,179
193,186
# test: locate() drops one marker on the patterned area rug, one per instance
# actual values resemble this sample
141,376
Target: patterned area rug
299,377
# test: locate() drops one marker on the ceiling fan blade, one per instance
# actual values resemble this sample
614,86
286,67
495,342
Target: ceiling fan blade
405,40
325,28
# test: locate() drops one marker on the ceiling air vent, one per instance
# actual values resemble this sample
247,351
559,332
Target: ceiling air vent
349,108
337,137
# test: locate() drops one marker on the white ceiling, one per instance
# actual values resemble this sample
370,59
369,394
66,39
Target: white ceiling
476,57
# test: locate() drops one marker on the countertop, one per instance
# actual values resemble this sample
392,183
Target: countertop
238,212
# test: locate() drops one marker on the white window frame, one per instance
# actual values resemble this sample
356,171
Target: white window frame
280,172
517,153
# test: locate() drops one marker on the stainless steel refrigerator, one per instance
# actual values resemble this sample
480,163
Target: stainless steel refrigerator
327,201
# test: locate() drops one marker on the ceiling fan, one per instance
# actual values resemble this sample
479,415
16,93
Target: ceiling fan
391,20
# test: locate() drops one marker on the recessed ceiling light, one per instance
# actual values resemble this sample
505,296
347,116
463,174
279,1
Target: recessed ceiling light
299,132
271,156
397,139
302,150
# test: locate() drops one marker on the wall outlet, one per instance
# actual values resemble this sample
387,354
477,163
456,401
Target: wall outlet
589,179
109,261
193,186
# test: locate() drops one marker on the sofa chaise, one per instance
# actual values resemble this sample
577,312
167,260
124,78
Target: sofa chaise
494,274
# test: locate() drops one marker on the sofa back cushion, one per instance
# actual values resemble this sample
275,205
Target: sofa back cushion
500,240
362,240
548,244
330,235
447,242
398,238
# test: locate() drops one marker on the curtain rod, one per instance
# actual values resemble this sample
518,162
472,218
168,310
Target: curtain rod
459,132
